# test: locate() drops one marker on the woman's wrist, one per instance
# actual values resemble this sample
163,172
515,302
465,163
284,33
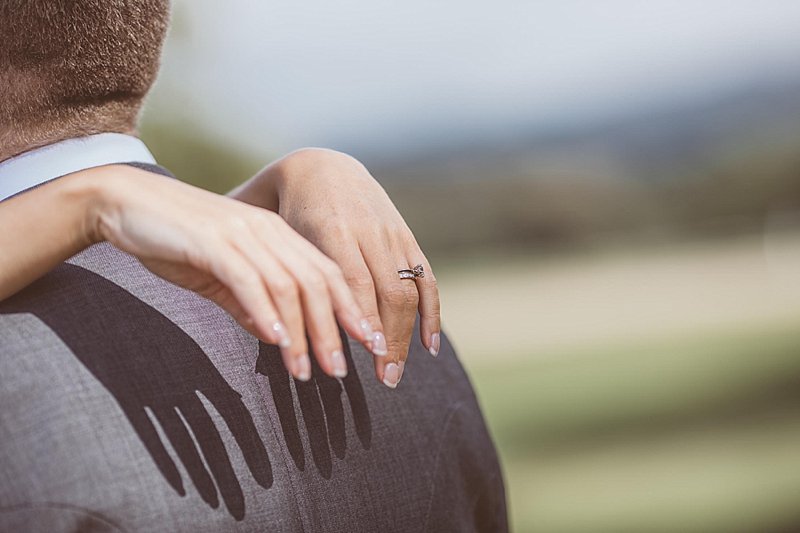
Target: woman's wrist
95,196
261,189
304,165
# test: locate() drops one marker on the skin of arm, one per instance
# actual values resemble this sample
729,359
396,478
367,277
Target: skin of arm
34,244
323,200
246,259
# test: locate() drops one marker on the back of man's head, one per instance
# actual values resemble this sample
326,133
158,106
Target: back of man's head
74,67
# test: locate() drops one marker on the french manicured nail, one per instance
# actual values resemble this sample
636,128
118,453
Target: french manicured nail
435,344
366,329
391,375
303,366
379,344
339,364
283,338
402,365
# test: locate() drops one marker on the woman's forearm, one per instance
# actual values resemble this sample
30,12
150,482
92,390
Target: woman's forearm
43,227
248,260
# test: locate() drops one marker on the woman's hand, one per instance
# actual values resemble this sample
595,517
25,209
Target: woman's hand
248,260
333,201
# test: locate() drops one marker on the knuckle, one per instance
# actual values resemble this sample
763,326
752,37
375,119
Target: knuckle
339,229
237,274
260,220
400,295
234,223
359,282
332,342
314,281
399,228
262,216
326,337
243,279
332,270
372,316
209,227
398,348
283,287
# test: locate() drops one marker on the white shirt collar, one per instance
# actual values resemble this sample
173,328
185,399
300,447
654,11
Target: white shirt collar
33,168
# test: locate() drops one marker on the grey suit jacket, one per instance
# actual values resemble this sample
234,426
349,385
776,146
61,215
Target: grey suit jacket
129,404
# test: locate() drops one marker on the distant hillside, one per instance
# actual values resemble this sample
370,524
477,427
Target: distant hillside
712,167
688,134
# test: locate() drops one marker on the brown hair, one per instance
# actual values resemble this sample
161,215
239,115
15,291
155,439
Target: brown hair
70,67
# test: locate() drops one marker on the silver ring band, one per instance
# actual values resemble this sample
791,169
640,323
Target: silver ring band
412,273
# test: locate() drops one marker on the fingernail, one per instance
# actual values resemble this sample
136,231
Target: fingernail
283,338
379,344
366,328
303,366
391,375
435,344
339,365
402,365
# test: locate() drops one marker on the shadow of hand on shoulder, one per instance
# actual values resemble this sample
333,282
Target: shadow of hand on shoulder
320,402
148,363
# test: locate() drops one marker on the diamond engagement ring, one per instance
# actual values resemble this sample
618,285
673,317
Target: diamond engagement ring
412,273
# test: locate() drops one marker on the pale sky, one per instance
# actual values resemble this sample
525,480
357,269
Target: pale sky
371,75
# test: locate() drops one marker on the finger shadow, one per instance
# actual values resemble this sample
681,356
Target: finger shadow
145,361
321,408
270,364
358,400
314,419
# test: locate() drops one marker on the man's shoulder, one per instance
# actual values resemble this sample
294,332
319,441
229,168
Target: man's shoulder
125,393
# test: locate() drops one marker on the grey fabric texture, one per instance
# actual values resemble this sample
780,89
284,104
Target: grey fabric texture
130,404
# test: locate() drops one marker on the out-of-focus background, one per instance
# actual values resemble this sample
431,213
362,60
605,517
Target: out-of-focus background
609,192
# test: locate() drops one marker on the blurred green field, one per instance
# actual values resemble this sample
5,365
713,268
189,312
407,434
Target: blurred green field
693,428
697,434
